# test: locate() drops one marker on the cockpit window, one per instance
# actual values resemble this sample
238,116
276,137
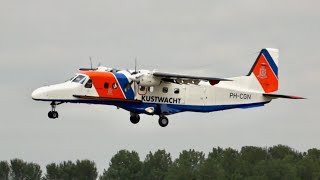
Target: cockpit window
70,79
88,84
79,79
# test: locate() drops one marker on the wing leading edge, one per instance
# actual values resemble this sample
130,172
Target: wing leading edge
180,76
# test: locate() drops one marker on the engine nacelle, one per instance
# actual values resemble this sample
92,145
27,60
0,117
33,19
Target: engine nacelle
148,80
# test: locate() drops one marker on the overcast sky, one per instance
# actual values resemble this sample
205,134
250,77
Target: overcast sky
45,42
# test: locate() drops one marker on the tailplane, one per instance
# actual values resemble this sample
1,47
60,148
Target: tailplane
265,69
275,96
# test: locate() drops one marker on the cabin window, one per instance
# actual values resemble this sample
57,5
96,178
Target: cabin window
142,88
114,85
79,79
106,85
151,89
88,84
127,87
176,90
164,89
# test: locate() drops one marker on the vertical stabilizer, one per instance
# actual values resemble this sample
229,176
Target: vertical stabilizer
265,69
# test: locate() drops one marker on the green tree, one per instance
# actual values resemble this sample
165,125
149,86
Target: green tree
212,166
156,165
187,166
250,156
281,151
64,171
81,170
67,170
123,165
231,163
86,170
17,169
309,167
276,169
4,170
53,172
21,170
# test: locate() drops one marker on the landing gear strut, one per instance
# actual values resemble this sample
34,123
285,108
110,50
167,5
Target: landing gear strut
134,118
53,114
163,121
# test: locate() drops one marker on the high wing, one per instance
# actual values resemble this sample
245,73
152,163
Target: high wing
169,76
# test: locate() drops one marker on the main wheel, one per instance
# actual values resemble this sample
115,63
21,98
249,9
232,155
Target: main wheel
135,119
163,121
55,114
50,115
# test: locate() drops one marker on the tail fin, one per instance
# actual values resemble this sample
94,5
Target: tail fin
265,69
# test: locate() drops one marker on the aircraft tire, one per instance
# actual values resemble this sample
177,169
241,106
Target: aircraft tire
163,121
135,119
55,114
50,115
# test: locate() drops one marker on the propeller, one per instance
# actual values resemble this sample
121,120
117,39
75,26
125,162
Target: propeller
133,78
136,76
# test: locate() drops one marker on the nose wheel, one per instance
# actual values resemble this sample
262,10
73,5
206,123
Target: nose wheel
53,114
163,121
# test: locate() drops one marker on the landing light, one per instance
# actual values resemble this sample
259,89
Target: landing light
149,110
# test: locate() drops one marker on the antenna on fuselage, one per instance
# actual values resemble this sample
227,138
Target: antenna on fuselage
88,69
135,65
90,61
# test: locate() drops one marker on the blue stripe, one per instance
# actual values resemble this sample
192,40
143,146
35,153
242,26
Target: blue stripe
139,108
123,80
273,65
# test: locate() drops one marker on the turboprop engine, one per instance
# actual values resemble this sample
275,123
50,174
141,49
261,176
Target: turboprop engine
146,79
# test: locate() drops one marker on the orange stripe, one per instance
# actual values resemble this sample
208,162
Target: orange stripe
99,79
267,79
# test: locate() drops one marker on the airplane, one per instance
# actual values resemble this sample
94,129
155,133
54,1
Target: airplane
163,94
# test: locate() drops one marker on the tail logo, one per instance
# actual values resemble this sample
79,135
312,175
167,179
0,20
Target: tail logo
263,71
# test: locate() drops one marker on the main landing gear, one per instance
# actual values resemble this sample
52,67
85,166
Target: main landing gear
53,114
134,118
163,120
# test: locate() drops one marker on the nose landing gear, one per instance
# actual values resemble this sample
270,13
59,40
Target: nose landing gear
53,114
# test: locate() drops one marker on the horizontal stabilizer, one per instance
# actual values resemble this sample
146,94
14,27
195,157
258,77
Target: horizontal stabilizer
274,96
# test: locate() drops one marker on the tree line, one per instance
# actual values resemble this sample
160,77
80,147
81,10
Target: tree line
277,162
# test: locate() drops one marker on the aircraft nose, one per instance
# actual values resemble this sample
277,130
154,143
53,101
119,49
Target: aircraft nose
39,93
